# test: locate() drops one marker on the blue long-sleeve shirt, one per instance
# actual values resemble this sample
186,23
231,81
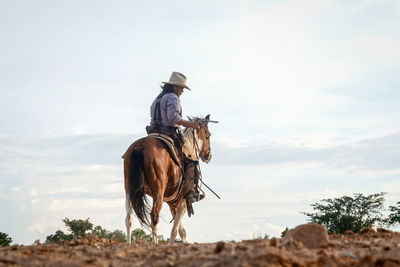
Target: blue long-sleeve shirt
171,110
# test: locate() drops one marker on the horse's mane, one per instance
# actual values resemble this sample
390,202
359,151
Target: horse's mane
189,148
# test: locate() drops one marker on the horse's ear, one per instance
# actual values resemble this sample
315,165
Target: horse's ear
207,117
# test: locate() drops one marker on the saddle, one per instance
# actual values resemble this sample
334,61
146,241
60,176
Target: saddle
169,142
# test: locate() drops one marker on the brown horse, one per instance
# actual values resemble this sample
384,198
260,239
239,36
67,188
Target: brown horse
149,169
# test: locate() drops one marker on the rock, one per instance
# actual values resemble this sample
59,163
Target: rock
291,243
310,235
349,233
219,247
274,242
368,231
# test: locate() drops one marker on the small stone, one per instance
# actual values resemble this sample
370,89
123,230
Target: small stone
274,242
349,233
367,231
219,247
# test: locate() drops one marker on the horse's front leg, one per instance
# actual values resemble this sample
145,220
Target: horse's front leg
178,213
182,231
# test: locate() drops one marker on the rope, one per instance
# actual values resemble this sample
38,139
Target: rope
200,175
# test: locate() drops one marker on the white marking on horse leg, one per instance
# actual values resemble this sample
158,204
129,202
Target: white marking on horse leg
174,231
154,233
180,211
182,231
128,218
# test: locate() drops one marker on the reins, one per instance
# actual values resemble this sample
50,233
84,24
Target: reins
195,143
200,175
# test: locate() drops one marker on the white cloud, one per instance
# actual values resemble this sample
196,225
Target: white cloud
378,49
378,154
33,192
16,189
85,204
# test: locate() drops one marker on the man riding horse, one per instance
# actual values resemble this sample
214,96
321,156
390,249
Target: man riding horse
165,165
166,117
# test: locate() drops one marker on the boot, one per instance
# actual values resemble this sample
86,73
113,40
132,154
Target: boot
191,197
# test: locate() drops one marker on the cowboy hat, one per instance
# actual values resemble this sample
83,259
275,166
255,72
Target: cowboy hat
177,79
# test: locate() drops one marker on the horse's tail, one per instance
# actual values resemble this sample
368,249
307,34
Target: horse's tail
136,187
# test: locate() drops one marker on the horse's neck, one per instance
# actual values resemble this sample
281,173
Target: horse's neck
188,135
191,139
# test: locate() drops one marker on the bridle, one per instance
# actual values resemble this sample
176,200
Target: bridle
196,145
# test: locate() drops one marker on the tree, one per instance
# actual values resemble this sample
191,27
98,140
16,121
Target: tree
118,235
260,236
285,231
394,216
58,236
161,240
103,233
139,233
5,240
348,213
100,232
79,228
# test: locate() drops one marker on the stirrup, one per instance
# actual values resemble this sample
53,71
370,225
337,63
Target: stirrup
193,196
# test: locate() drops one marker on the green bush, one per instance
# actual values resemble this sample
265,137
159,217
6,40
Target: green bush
394,217
348,213
5,240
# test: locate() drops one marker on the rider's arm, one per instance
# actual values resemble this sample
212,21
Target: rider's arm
187,124
173,109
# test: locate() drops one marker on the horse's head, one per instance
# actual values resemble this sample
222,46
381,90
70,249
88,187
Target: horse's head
203,135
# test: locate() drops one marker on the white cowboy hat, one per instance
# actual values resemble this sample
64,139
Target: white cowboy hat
178,79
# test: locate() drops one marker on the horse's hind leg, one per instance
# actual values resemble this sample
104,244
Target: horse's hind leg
178,215
155,214
128,218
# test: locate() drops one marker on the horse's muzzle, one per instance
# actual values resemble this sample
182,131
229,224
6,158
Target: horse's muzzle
207,157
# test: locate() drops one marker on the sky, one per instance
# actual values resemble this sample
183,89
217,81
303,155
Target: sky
307,96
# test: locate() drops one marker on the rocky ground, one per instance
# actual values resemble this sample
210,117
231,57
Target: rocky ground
371,248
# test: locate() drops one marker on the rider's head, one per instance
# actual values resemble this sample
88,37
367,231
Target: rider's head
169,88
178,90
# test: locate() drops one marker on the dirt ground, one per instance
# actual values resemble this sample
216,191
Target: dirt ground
371,248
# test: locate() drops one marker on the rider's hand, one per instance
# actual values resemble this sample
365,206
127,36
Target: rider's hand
195,125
